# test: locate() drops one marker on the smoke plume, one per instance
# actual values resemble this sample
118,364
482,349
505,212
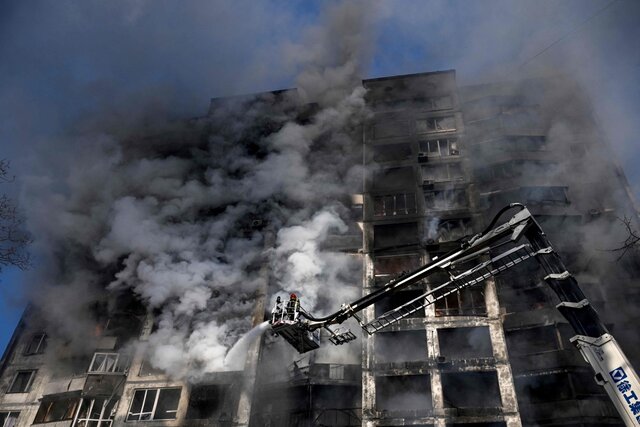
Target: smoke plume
178,212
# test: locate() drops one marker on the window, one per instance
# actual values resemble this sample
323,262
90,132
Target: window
465,302
94,411
9,419
387,266
400,346
109,363
394,204
154,404
471,390
37,344
22,382
463,343
440,147
206,401
442,173
386,236
404,393
436,124
56,410
336,372
447,230
445,199
391,152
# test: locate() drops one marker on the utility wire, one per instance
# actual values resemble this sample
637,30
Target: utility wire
570,33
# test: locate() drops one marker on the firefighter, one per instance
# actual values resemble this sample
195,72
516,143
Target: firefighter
292,307
276,313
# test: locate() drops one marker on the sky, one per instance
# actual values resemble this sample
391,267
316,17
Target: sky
68,63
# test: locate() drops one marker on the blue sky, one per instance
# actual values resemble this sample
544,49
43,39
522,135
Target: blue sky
62,63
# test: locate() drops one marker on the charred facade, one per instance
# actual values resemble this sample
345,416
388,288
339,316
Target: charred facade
440,161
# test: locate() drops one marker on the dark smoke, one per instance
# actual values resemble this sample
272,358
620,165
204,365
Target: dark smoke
176,211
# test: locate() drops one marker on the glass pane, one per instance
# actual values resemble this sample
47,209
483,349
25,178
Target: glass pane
136,404
167,404
149,401
12,419
98,362
21,382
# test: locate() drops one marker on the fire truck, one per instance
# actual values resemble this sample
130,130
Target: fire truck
487,254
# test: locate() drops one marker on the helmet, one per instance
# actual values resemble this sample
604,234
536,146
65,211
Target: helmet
293,296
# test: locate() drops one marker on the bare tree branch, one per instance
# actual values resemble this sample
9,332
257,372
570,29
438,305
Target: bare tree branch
631,243
14,239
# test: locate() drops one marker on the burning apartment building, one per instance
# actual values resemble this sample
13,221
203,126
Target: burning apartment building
402,168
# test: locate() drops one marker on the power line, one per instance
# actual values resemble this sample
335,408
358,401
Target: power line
570,33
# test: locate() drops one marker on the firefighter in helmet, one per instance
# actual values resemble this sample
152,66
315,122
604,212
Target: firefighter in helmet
293,307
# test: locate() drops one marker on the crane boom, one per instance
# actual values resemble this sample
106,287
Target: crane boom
493,251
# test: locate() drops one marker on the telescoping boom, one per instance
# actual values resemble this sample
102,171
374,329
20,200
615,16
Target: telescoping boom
489,253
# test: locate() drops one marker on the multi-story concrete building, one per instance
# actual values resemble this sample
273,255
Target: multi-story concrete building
441,160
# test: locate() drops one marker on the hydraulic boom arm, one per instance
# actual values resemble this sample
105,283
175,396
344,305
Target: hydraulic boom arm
598,348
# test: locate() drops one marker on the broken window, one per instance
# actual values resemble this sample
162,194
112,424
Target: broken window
514,300
544,387
436,124
338,417
392,265
391,152
532,340
52,409
447,230
37,344
463,343
442,173
9,419
394,178
465,302
400,346
394,204
99,411
446,199
396,300
443,147
109,363
403,393
147,369
471,390
22,381
154,404
387,236
206,401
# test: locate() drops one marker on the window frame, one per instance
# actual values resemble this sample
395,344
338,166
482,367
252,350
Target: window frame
29,382
443,145
434,124
71,407
7,418
120,366
40,347
400,204
152,414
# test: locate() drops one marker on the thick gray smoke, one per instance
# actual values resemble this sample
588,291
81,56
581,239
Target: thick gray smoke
181,221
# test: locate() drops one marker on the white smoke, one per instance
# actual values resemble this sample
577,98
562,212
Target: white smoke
171,220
